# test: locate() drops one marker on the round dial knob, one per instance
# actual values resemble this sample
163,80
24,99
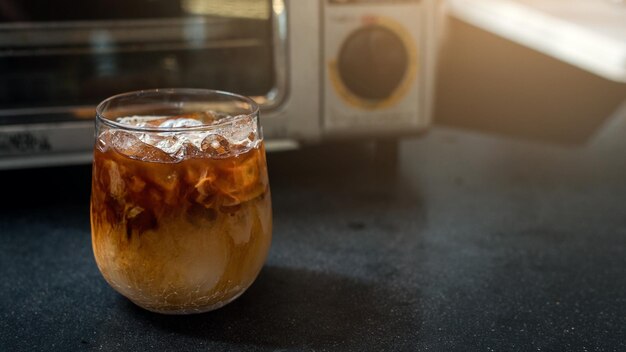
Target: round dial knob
372,62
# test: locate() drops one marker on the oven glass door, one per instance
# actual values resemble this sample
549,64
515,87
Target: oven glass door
60,58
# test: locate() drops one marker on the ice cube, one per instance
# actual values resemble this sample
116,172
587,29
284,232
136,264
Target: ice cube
205,117
180,122
170,144
181,146
242,180
130,145
240,227
117,187
240,148
104,140
156,122
141,121
216,146
185,120
241,130
188,150
149,138
196,138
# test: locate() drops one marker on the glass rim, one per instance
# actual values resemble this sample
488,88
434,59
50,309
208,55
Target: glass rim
254,107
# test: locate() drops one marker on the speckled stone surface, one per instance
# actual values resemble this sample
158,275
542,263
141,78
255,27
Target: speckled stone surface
478,243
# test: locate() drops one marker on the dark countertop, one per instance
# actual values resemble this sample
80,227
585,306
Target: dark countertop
478,243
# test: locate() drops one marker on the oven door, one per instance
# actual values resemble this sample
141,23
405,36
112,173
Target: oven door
58,59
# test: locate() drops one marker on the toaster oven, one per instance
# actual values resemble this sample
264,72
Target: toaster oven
326,69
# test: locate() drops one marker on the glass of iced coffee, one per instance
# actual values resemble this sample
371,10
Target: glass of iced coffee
180,207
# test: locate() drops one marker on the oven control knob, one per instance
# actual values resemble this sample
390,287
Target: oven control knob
372,62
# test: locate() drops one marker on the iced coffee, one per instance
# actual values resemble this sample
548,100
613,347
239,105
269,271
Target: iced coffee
180,207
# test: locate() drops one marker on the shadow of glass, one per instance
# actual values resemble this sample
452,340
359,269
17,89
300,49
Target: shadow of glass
289,307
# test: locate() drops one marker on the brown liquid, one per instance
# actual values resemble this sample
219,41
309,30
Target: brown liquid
180,237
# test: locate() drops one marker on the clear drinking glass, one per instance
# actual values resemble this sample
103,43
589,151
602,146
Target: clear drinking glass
180,207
